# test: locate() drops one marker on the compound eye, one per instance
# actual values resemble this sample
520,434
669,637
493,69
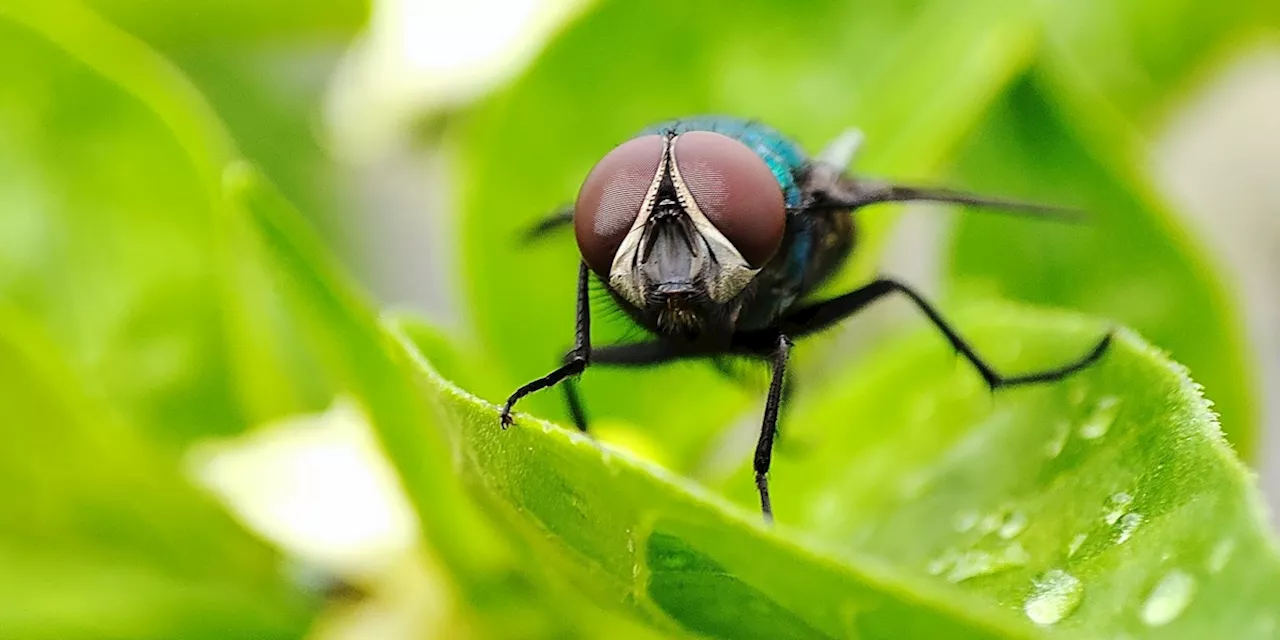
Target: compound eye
735,190
611,198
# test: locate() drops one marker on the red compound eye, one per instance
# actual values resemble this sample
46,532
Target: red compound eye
736,190
611,198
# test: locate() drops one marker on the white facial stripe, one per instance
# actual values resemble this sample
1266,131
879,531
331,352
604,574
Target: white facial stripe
734,272
624,261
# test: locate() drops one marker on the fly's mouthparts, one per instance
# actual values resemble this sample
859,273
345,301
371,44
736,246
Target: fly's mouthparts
680,289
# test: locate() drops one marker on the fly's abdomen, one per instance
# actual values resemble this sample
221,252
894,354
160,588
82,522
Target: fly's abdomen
783,156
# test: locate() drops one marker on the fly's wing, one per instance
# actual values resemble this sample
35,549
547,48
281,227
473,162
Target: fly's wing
829,187
848,193
554,221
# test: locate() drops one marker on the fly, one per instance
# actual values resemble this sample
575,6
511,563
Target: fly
710,232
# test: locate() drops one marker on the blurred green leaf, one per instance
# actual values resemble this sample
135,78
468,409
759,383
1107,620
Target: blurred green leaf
270,100
1131,262
106,225
265,68
1142,57
101,535
914,76
234,21
1108,485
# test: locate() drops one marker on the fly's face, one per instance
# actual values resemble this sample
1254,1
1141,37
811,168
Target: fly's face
679,225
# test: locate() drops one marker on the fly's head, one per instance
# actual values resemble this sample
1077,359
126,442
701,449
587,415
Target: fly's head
679,225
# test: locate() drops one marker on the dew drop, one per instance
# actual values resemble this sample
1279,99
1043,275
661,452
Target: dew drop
1076,395
974,563
940,564
1076,543
1015,555
1055,445
966,521
1054,596
990,523
969,565
1128,524
1099,422
1221,555
1168,599
1013,525
1117,506
924,410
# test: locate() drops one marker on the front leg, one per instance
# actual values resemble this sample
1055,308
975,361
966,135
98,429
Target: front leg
575,362
769,425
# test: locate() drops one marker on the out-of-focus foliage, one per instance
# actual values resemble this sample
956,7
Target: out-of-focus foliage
106,237
101,535
228,24
154,289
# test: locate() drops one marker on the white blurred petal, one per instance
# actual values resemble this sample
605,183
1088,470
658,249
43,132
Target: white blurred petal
421,56
318,486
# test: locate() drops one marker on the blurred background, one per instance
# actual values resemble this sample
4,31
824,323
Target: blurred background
420,137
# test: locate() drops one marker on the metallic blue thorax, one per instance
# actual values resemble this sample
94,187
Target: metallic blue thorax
784,157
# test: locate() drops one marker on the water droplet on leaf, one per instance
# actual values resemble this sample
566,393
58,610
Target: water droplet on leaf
943,562
974,563
1076,543
1117,506
1058,442
1054,596
1221,555
1099,422
966,521
1168,599
1077,394
1013,525
990,523
1128,524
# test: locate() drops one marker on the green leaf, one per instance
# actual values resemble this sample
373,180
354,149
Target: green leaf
1132,261
913,76
1141,58
101,535
108,226
106,212
243,22
1105,486
630,532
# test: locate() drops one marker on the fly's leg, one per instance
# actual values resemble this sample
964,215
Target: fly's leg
821,315
575,362
769,426
640,354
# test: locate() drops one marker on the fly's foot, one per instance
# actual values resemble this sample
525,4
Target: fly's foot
505,416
